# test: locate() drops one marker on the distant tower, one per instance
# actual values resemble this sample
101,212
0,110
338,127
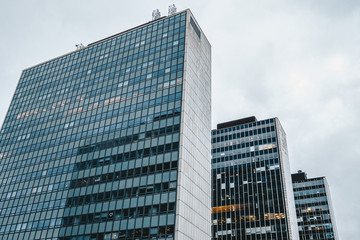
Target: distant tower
314,210
156,14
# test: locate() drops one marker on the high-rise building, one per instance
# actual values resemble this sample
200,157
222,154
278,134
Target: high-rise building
112,141
314,210
252,195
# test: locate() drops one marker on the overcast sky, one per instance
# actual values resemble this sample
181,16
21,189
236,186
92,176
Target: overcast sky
295,60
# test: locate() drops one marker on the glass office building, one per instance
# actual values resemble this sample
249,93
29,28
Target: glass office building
112,141
252,195
314,210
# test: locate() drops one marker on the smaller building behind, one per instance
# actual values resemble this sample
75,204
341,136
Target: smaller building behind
314,210
252,194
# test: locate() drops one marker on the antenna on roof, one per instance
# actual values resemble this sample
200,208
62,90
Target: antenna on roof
156,14
172,9
79,46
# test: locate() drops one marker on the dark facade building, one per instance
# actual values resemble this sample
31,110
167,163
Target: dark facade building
112,141
314,210
252,195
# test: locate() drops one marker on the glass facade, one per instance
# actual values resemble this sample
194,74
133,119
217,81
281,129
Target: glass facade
93,141
314,210
251,193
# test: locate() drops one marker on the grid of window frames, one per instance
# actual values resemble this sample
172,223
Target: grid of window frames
313,209
248,195
89,146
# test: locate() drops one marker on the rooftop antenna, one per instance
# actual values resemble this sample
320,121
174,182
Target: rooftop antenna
79,46
156,14
172,9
